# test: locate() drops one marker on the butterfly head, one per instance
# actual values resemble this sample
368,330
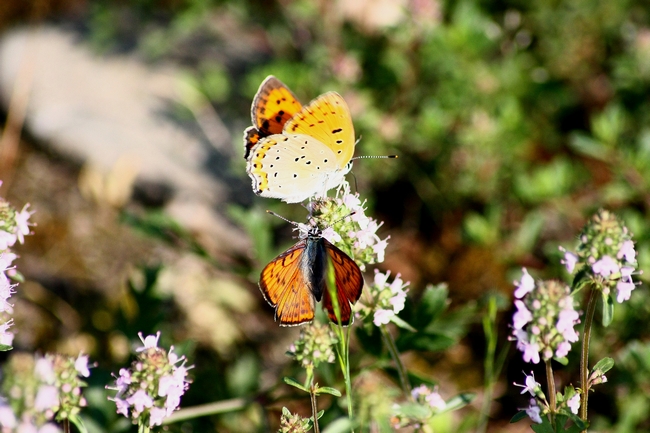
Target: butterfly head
311,230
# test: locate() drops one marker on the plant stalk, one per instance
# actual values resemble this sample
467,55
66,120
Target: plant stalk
550,384
314,408
392,348
489,329
584,355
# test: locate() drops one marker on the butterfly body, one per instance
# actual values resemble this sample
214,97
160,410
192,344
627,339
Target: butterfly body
297,278
300,156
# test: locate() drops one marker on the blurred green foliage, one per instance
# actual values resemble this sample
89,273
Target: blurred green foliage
513,122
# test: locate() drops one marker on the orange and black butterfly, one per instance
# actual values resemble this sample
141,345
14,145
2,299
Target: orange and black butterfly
273,106
296,278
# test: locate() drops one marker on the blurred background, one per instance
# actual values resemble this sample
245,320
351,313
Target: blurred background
513,121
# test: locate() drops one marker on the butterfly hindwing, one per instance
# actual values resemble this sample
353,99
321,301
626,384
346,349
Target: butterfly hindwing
292,167
297,278
349,284
327,119
274,104
285,287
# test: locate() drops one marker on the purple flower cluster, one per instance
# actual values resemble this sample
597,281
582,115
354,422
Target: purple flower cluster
14,226
543,324
385,300
42,389
538,404
606,251
314,346
151,390
426,403
6,291
424,394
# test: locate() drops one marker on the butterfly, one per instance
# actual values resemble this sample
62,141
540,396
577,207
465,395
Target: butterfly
296,278
309,156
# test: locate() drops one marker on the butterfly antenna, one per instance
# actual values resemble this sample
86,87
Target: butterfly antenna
371,156
281,217
342,218
374,157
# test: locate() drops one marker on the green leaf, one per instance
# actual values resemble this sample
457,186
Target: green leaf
328,390
290,381
402,324
586,145
578,423
431,305
426,342
544,427
604,365
459,401
574,428
17,276
5,348
581,278
481,229
340,425
564,360
414,410
560,420
78,423
518,416
608,309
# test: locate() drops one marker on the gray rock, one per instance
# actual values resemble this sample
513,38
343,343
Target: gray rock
98,110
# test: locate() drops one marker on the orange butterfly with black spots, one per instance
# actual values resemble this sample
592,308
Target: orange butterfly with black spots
296,152
293,281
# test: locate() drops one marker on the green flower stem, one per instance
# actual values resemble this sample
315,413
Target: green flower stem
344,359
314,407
492,365
309,384
392,348
550,383
584,355
207,409
143,428
343,346
309,380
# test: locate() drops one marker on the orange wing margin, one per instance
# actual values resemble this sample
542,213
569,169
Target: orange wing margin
349,284
273,106
284,286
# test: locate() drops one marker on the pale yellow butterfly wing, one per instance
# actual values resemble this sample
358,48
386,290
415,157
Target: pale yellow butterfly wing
293,168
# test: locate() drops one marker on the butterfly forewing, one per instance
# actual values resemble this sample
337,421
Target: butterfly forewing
349,284
285,287
327,119
274,104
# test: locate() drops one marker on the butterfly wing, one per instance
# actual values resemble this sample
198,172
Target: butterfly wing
327,119
285,287
292,168
349,284
274,104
